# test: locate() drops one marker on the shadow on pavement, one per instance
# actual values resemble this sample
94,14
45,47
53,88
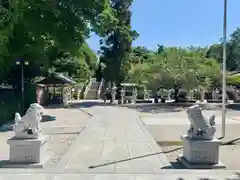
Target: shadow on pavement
47,118
174,165
168,107
155,110
88,104
177,107
83,104
6,128
53,106
234,106
145,107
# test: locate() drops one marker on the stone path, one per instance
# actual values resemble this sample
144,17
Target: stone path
114,142
114,145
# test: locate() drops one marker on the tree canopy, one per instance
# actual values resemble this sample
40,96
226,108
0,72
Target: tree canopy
51,36
233,54
178,68
116,44
43,32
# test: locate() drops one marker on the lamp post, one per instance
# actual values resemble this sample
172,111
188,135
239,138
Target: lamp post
22,62
224,69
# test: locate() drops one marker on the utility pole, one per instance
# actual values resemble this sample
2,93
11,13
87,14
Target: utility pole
224,69
22,62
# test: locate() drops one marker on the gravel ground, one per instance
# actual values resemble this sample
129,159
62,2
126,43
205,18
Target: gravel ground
61,133
58,145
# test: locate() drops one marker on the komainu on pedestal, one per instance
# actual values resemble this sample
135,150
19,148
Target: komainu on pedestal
200,147
28,126
28,145
200,127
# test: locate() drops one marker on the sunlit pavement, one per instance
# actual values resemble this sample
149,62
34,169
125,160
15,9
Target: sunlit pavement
111,146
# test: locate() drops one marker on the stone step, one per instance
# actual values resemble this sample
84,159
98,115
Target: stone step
94,85
93,90
6,174
92,94
93,79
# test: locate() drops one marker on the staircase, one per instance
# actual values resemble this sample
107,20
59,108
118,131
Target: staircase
92,89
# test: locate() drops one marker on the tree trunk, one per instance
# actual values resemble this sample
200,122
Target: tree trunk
112,84
202,95
176,91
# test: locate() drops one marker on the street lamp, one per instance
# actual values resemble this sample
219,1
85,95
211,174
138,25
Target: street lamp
224,69
22,62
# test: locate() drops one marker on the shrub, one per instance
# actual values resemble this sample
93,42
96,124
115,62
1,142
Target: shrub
9,105
182,94
233,80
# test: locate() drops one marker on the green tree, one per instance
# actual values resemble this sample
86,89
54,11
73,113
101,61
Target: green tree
160,49
116,45
216,52
177,68
80,68
43,31
139,74
141,55
233,80
233,61
233,54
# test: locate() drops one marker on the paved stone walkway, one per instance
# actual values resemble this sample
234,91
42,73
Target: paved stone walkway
115,141
27,174
114,145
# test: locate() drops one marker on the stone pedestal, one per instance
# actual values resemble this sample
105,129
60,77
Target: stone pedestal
200,154
27,152
23,135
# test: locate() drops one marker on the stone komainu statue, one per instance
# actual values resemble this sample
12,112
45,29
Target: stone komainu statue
28,125
200,128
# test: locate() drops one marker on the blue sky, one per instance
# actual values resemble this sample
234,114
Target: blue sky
179,22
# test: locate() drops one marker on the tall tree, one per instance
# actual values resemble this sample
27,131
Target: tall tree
116,45
43,31
216,52
160,49
233,54
233,61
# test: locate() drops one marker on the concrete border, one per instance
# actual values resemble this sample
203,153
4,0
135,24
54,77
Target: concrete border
8,164
154,145
188,165
62,163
